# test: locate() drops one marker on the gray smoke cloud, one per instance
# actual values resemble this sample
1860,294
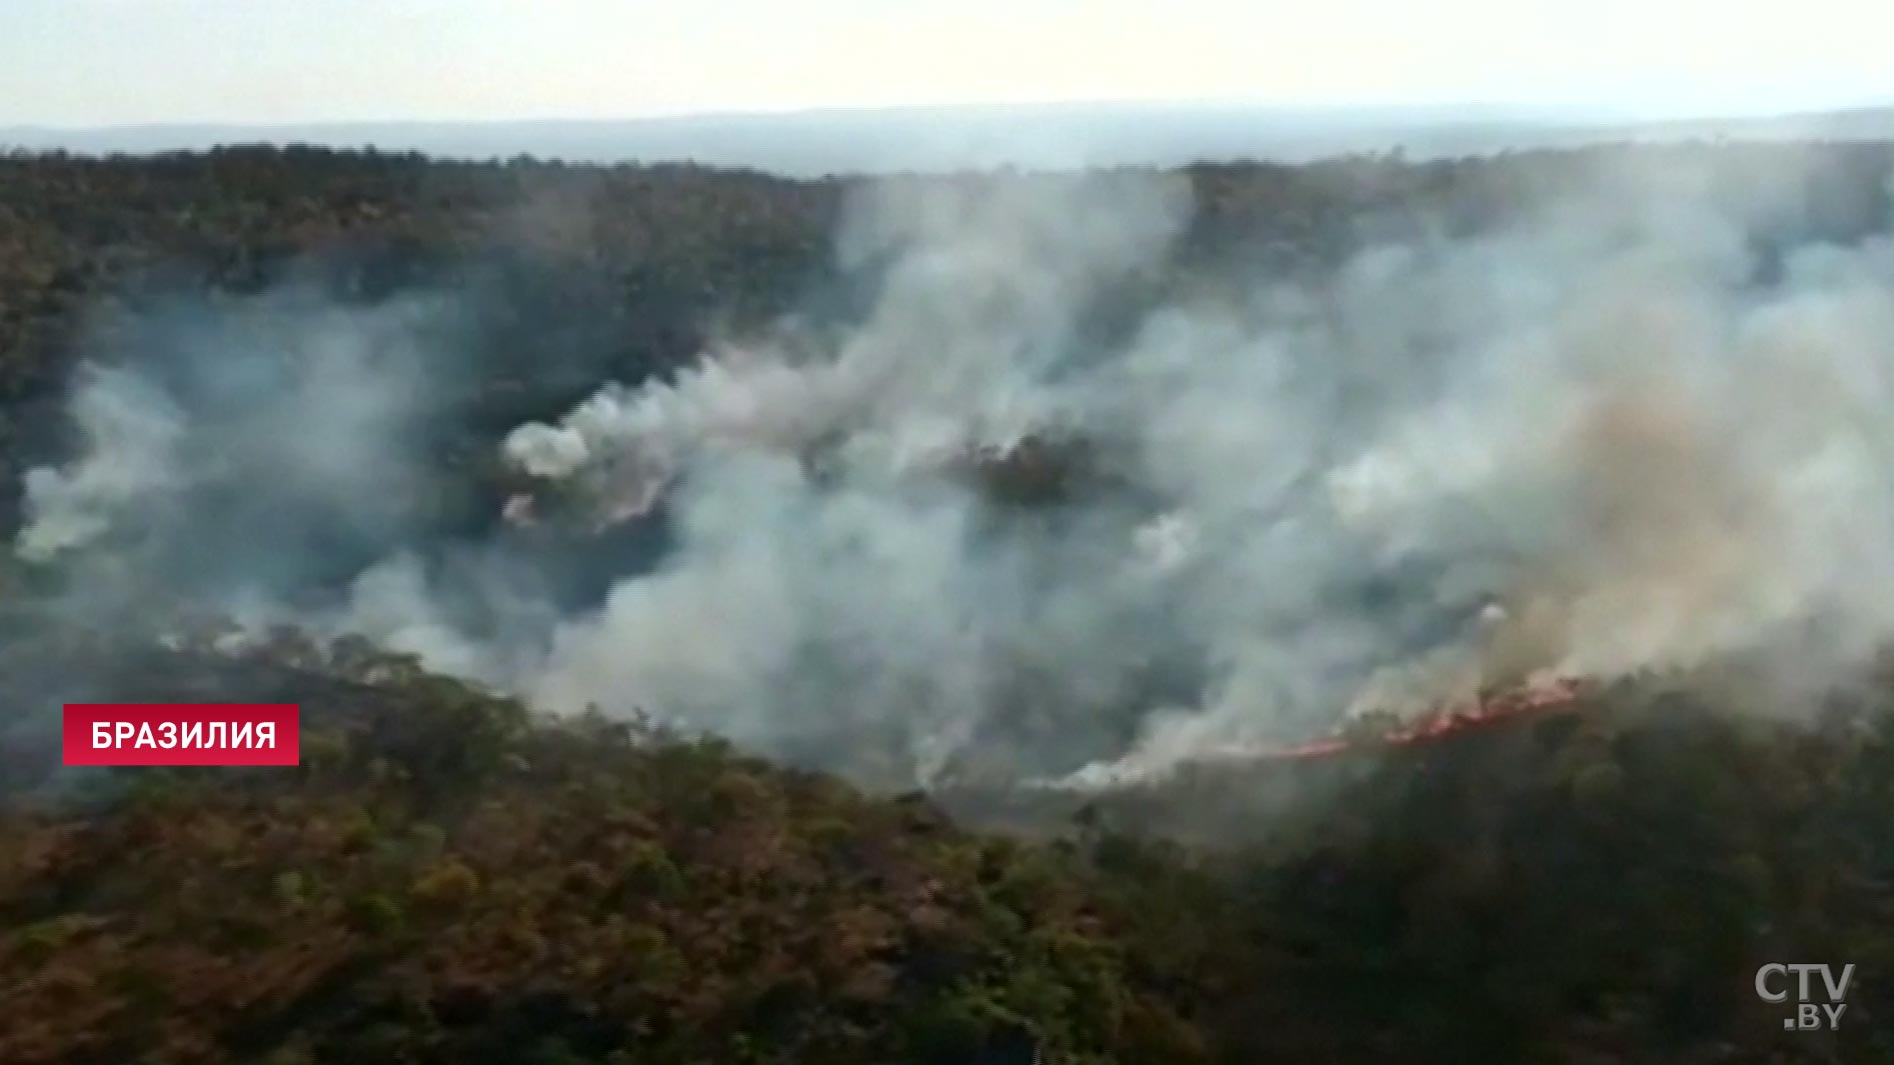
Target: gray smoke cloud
240,454
1615,435
131,434
1590,445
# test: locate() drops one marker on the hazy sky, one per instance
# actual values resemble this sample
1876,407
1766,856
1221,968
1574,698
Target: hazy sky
93,62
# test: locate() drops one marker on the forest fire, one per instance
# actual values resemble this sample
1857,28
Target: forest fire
1368,732
1442,722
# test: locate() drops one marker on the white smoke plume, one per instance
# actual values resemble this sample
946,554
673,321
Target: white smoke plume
1590,445
131,433
227,453
1056,505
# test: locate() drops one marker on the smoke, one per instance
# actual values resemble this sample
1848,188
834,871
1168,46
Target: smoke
1060,503
131,433
240,453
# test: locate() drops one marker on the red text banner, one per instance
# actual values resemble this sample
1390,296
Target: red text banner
206,734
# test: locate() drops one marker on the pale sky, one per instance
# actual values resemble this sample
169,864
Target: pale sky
106,62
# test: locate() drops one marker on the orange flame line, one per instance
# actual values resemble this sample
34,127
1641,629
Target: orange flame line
1440,725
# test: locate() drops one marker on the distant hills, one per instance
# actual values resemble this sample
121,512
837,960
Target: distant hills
813,143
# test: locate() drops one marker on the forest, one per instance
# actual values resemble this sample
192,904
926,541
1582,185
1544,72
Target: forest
454,874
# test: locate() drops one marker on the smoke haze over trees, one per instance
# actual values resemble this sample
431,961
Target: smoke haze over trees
1598,430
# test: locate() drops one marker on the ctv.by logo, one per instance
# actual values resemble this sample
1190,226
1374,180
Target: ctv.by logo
1809,1014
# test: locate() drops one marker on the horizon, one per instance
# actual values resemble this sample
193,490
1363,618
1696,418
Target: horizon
1051,136
1471,110
103,64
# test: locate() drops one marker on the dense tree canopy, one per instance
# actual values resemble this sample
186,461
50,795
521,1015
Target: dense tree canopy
446,878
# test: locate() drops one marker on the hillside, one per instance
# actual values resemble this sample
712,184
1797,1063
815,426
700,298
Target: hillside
447,879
